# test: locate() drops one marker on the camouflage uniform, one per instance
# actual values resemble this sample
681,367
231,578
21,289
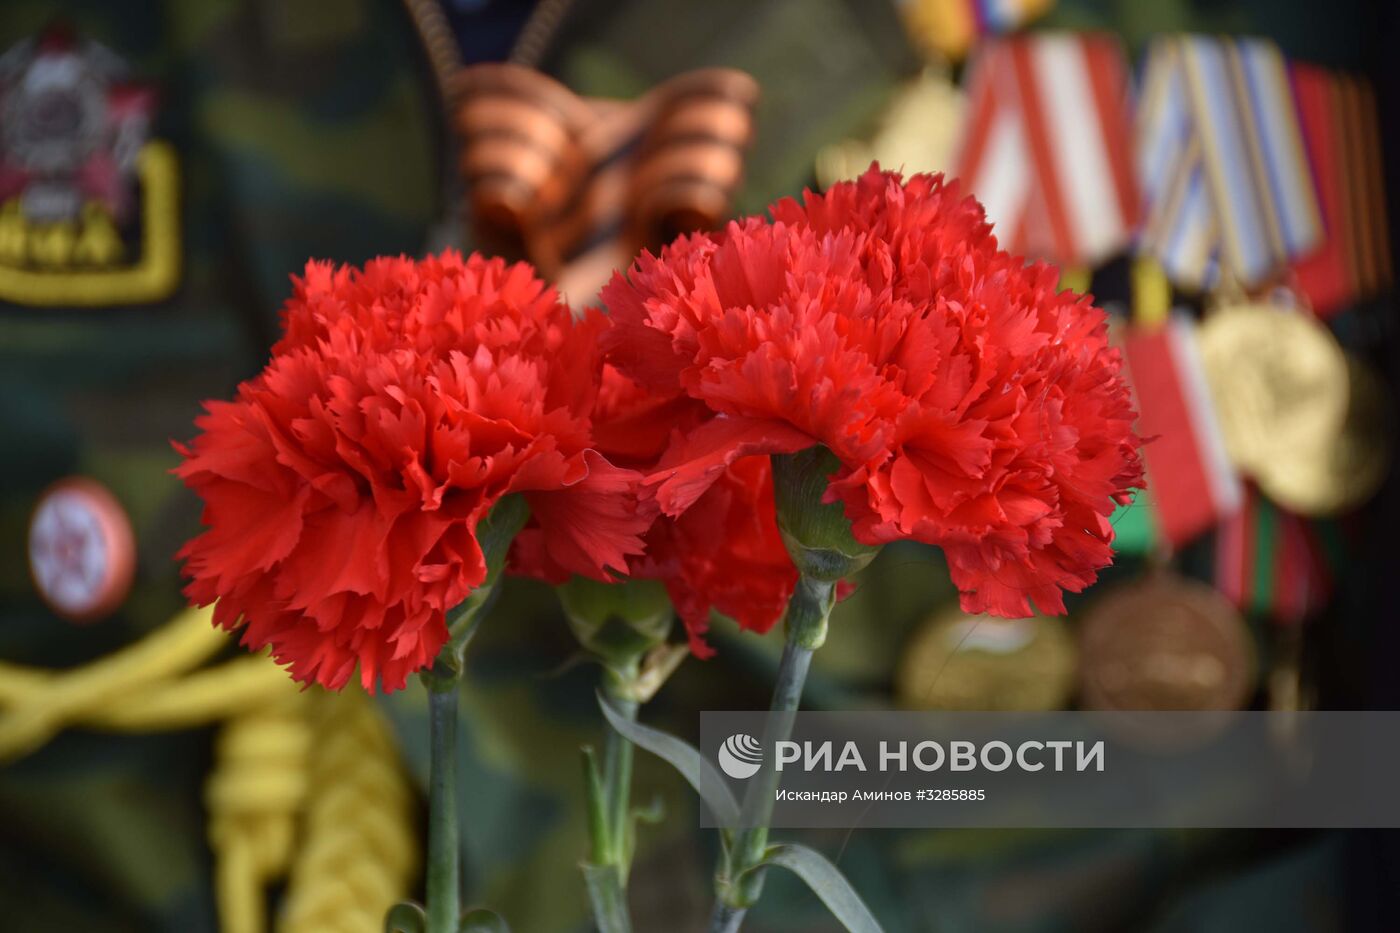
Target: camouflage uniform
300,129
310,128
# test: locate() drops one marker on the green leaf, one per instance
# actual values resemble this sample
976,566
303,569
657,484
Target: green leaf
682,756
651,814
481,920
827,882
405,917
494,533
593,799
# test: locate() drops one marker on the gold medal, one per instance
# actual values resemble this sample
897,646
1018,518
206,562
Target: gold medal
1337,473
1279,382
959,661
1165,643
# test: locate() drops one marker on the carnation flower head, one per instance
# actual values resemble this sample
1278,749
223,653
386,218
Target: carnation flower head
970,404
343,485
725,553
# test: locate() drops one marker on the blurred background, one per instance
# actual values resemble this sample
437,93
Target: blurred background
166,166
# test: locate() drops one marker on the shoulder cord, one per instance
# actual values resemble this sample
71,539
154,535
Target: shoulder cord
361,849
305,782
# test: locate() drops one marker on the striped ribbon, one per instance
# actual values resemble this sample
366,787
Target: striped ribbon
1194,486
1338,118
580,185
1270,562
1048,145
1221,162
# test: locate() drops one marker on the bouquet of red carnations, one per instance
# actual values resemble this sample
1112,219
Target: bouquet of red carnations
740,427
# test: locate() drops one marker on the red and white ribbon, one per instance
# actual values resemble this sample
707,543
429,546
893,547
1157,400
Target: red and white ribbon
1048,146
1193,483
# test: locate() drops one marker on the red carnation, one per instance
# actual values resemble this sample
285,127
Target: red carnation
970,405
343,484
723,553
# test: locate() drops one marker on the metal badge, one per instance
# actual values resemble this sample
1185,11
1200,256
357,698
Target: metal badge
82,553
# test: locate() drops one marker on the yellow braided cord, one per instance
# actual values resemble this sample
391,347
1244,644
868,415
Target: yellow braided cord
254,795
42,708
356,851
194,700
360,849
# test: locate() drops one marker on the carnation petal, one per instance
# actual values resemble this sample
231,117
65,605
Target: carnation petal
695,461
592,526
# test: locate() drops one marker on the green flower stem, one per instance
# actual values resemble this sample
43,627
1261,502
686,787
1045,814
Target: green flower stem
610,807
740,880
623,626
726,918
494,533
617,788
609,899
444,878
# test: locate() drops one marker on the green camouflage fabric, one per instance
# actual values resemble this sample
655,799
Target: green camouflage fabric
301,129
310,128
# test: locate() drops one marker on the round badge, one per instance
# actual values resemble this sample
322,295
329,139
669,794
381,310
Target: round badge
965,662
1165,643
82,553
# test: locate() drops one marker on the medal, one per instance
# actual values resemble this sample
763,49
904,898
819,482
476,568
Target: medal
1164,643
89,202
959,661
1279,381
82,554
1335,473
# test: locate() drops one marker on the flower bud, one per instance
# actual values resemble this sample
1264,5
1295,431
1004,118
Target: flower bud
618,622
817,534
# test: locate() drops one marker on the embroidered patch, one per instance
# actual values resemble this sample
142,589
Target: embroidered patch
89,207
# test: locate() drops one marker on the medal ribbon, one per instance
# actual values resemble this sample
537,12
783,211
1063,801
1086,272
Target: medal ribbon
1268,562
1192,481
1048,148
1338,119
1221,162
